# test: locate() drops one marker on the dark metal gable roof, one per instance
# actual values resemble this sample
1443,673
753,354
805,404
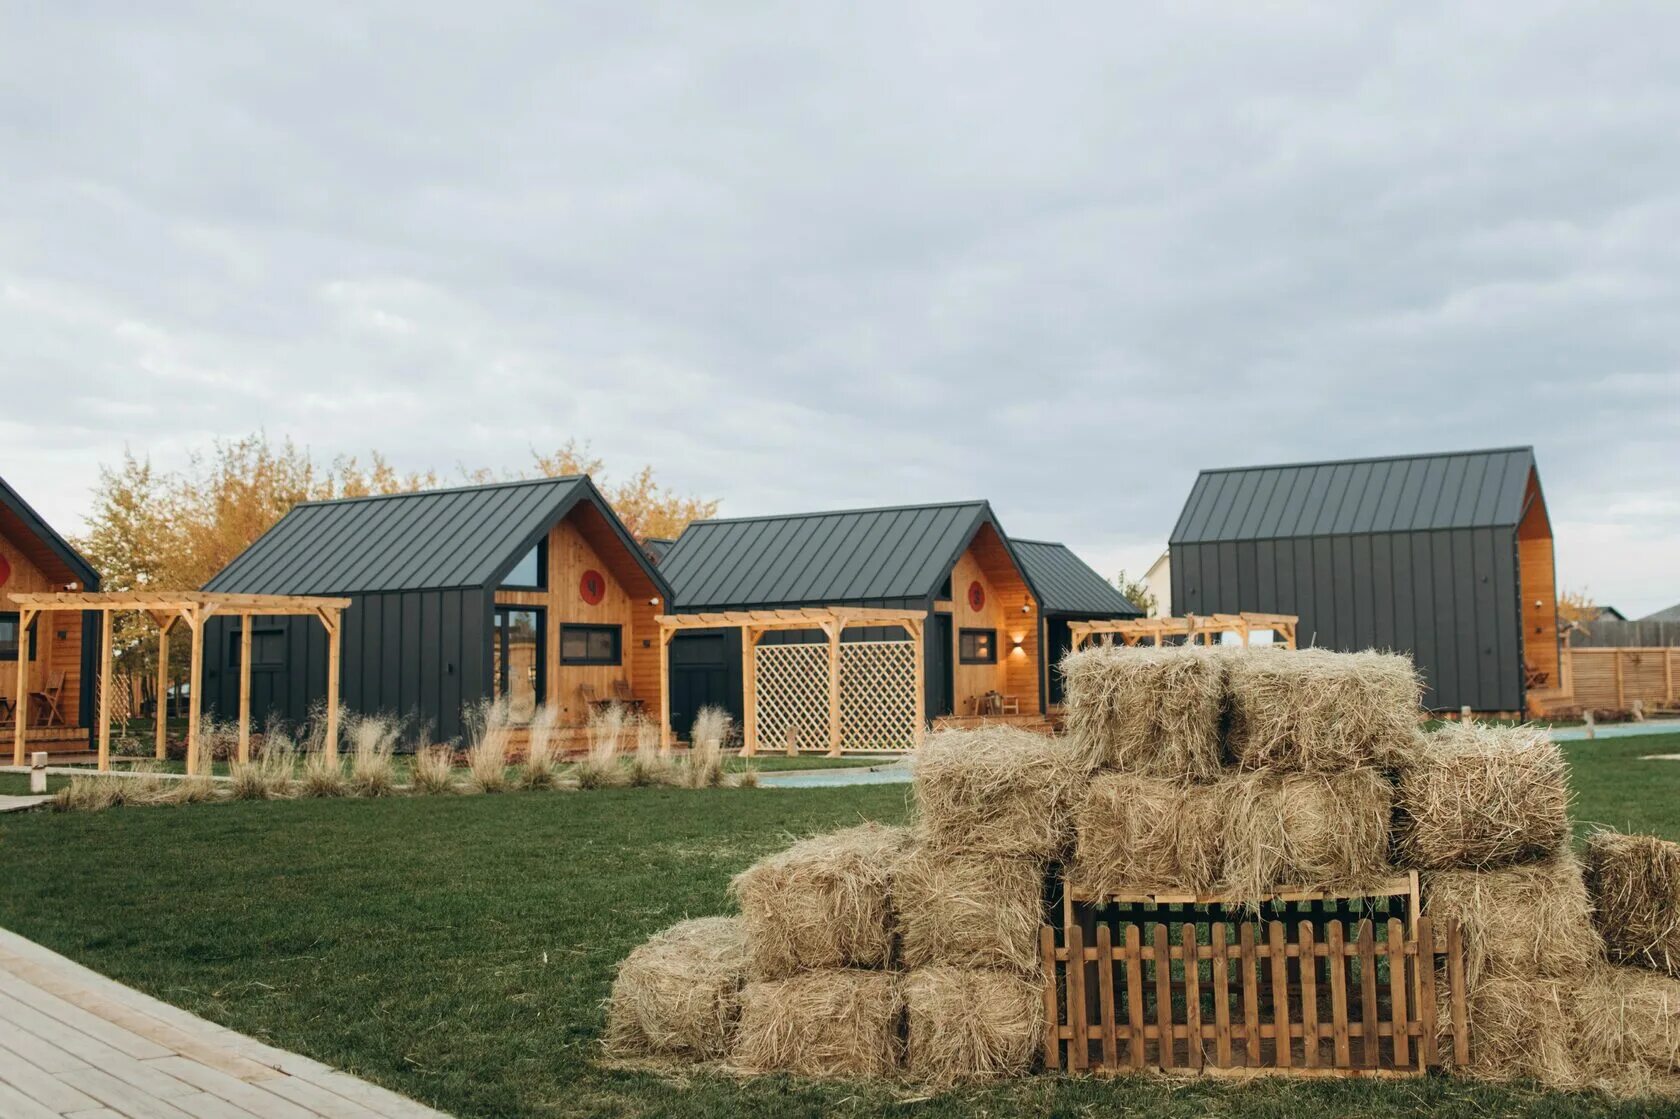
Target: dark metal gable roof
20,517
1067,584
1412,493
849,556
430,540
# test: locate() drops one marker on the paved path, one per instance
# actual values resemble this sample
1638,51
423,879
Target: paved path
73,1043
21,803
1617,730
887,773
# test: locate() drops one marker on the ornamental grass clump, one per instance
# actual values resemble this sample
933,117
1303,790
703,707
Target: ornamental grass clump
647,767
1150,711
998,790
1315,711
968,1024
490,736
433,771
703,768
602,766
679,994
822,1024
269,775
541,769
373,770
1634,884
88,794
323,776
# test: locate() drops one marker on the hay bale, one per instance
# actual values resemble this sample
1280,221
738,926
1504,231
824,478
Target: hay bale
822,903
1150,711
1520,1027
1321,831
830,1023
972,1024
679,994
1481,796
1529,921
970,911
1627,1026
1634,884
1315,711
1135,833
997,790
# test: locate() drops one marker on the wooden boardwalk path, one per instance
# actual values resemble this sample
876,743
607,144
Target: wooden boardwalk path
73,1043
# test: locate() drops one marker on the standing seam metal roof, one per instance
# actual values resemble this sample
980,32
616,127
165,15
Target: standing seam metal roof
858,555
31,522
1067,584
1413,493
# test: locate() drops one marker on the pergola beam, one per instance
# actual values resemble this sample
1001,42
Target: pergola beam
1191,627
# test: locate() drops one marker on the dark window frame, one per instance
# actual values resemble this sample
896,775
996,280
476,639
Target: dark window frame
615,659
257,663
542,570
11,655
499,636
989,657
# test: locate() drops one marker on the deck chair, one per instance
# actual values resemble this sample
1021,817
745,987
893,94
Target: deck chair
625,698
47,699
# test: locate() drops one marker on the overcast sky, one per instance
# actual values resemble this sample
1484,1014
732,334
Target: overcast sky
1060,257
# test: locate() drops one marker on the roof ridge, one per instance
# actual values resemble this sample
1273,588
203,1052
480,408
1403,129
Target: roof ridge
841,512
1367,458
436,490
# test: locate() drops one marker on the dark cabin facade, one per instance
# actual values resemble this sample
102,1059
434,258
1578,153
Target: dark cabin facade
1447,557
953,561
1070,591
529,591
64,644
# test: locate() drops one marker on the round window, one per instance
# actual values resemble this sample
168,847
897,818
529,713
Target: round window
976,596
592,587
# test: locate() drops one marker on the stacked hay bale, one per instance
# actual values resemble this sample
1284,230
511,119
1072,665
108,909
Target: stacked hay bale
1236,771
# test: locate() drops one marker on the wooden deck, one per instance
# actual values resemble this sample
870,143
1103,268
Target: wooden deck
1032,720
73,1043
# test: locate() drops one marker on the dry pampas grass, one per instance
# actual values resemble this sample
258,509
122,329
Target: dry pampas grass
832,1023
1321,831
969,910
1313,710
1135,833
373,770
1634,883
1627,1027
1529,921
822,903
997,790
432,771
1481,796
971,1024
679,993
1151,711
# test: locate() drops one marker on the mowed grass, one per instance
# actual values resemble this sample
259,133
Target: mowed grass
458,949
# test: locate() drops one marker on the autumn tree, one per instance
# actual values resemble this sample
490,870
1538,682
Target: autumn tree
1576,610
646,508
1137,592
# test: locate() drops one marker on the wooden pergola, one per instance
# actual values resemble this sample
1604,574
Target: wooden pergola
753,624
1195,629
167,608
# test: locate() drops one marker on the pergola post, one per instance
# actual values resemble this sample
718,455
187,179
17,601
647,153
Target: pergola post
244,689
104,690
749,691
21,712
919,729
832,629
163,686
195,697
665,635
334,629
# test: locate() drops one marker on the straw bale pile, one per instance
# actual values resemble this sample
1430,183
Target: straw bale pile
679,993
969,911
1150,711
1634,881
834,1022
971,1023
1480,796
1316,711
998,790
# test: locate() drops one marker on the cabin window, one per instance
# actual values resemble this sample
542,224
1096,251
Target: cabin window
531,572
591,644
516,652
268,649
9,638
977,646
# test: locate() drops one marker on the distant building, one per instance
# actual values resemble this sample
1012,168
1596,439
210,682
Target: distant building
1672,614
1159,581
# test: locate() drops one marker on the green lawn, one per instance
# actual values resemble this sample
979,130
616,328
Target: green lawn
458,949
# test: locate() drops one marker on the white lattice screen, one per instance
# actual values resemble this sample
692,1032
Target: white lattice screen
792,693
878,695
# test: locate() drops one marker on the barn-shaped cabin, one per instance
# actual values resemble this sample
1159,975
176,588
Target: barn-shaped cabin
59,653
969,644
1070,591
1447,557
529,591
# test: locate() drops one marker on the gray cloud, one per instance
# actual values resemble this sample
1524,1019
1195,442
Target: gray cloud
804,259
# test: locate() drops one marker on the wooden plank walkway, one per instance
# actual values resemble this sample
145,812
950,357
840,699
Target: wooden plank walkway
76,1044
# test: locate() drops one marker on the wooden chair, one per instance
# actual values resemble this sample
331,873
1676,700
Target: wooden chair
8,709
47,699
1009,705
624,697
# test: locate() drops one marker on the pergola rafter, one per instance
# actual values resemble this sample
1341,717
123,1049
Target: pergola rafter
1193,628
753,624
167,609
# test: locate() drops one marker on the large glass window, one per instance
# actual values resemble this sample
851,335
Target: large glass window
591,644
517,660
977,646
9,638
532,571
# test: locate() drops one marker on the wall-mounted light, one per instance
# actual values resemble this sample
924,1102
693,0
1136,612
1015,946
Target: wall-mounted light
654,601
1026,608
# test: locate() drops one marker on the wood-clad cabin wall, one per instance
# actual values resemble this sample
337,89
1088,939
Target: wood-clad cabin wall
582,542
1537,580
987,562
58,636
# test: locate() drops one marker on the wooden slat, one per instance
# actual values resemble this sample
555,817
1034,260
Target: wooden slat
1397,990
1309,995
1280,996
1163,997
1079,1013
1192,995
1250,996
1368,989
1221,996
1455,976
1427,1052
1336,958
1105,995
1052,1025
1134,995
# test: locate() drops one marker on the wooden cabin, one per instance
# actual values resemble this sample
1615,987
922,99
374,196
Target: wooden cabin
980,651
63,644
532,592
1070,592
1446,557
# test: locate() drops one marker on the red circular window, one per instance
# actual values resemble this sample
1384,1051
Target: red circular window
5,571
592,587
976,596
